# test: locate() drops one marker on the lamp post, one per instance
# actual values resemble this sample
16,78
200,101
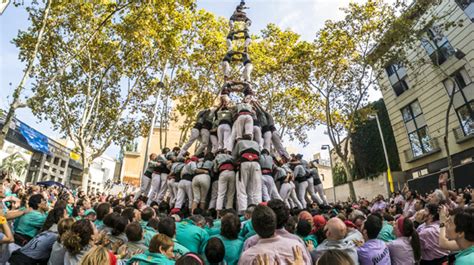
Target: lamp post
389,174
327,147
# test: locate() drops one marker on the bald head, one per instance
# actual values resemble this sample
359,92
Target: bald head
336,229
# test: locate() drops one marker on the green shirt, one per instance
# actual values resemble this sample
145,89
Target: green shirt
191,236
99,224
148,232
215,229
311,238
149,258
179,250
465,257
30,223
247,230
386,234
233,249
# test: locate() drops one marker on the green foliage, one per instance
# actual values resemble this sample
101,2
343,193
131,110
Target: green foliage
14,165
369,158
99,64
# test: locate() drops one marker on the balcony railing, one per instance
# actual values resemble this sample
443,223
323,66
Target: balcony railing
463,135
433,145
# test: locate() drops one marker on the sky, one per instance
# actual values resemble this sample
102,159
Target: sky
302,16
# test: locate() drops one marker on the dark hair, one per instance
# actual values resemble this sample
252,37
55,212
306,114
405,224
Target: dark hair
230,226
190,258
102,210
64,225
164,207
264,221
373,224
119,225
215,250
147,214
110,219
134,232
118,209
467,197
303,228
433,210
78,237
53,218
410,231
129,212
167,226
464,221
153,223
76,210
290,225
35,201
60,204
281,210
335,256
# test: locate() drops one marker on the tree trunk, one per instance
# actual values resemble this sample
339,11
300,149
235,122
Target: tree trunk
347,169
19,89
446,141
85,174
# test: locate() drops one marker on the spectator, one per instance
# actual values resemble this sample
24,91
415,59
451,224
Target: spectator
335,231
146,215
276,247
190,258
27,226
102,210
78,241
167,226
215,251
460,228
334,256
58,251
118,232
229,235
406,248
431,252
135,241
303,230
191,235
373,251
38,249
98,255
159,252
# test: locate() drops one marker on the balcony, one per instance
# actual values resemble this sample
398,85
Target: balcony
433,148
462,136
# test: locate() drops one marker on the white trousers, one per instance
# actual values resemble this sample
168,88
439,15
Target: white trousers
185,191
154,188
288,195
213,201
173,189
223,135
247,71
312,192
163,187
257,136
269,189
249,185
204,141
267,140
276,140
194,136
201,184
243,125
225,189
301,188
144,187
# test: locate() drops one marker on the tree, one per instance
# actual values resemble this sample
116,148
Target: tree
14,165
369,158
339,72
119,52
29,57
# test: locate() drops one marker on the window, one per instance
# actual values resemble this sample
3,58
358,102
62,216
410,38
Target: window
437,45
397,77
467,6
322,177
417,130
461,80
466,118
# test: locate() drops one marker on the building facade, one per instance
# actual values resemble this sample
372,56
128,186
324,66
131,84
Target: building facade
417,99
